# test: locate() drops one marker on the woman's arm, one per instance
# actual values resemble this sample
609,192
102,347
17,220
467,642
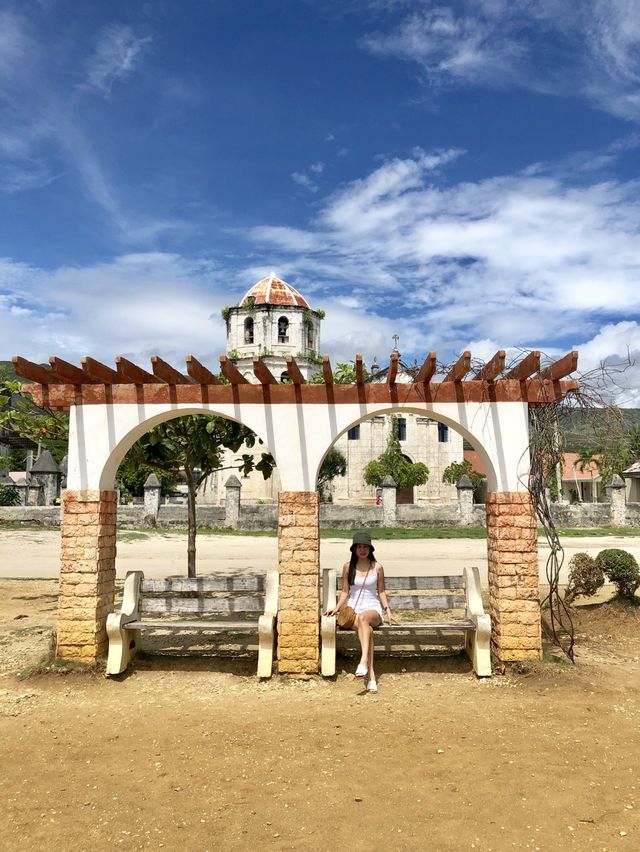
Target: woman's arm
344,594
384,600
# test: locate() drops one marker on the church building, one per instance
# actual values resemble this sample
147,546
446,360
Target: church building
273,320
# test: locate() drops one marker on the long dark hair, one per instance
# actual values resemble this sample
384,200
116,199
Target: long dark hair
351,576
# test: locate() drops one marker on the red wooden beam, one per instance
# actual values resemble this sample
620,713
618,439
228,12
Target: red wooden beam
460,368
359,370
262,372
428,369
561,368
67,372
327,372
294,371
33,372
136,375
393,368
166,373
492,368
527,367
231,372
97,372
199,373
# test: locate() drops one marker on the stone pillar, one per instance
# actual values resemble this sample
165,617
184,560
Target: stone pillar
616,492
299,567
46,472
465,500
232,502
389,509
514,603
87,574
152,491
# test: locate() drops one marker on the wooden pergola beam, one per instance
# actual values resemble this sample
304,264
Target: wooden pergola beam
492,368
526,368
428,369
166,373
231,372
199,373
294,371
460,368
33,372
561,368
136,375
67,372
262,372
327,372
359,370
392,372
98,372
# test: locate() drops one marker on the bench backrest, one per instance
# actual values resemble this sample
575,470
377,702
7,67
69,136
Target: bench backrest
419,593
219,595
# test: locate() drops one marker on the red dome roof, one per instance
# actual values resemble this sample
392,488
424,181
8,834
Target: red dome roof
273,291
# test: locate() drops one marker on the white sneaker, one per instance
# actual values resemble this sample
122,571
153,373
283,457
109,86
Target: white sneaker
372,686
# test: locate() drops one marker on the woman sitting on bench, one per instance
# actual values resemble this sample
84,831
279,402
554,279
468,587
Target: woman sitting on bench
363,590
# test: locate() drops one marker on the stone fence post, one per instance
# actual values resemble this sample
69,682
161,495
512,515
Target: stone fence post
465,500
617,498
46,472
389,507
152,490
232,489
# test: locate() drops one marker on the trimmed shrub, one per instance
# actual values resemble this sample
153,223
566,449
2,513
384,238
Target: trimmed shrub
585,577
9,496
622,569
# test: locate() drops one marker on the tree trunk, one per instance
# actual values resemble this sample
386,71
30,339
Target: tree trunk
191,523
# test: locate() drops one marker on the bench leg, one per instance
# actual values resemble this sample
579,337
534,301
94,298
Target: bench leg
266,641
328,659
122,645
477,646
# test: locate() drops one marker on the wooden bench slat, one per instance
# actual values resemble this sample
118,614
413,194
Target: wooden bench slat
251,583
426,602
240,603
207,626
413,626
454,581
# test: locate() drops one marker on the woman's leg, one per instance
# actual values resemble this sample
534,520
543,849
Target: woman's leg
365,622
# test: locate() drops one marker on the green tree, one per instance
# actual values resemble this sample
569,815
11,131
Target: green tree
18,413
393,463
195,445
452,473
9,496
334,464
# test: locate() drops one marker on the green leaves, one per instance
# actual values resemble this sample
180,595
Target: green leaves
395,464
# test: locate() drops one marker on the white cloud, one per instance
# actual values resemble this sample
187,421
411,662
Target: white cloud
304,180
317,168
590,48
117,53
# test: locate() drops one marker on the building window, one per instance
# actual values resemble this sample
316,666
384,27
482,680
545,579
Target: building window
310,336
248,330
354,433
443,433
402,429
283,330
284,378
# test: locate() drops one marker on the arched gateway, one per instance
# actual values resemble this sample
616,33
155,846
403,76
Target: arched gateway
298,422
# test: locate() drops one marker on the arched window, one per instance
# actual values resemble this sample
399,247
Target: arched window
284,378
283,330
248,330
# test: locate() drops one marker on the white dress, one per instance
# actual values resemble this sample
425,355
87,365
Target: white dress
369,598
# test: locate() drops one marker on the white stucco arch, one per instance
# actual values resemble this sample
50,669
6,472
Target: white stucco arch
297,435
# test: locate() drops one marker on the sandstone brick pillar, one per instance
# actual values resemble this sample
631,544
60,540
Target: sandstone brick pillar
514,603
299,567
87,574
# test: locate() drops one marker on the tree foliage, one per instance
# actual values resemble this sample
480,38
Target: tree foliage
18,413
621,568
585,577
333,465
613,450
9,496
452,473
393,463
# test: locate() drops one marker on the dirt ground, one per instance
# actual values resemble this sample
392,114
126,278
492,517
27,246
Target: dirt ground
196,754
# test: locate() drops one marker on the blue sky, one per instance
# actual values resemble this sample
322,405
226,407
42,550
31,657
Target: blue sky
462,174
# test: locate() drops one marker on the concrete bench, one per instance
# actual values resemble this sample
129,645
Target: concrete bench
416,596
212,604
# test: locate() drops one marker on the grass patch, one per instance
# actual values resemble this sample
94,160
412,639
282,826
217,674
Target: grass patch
385,533
617,532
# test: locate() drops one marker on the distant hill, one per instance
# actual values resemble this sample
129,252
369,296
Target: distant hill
579,427
6,368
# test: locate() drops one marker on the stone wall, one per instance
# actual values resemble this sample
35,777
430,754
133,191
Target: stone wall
299,566
87,574
512,551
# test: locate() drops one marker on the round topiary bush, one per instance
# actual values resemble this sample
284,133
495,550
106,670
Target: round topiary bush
622,569
585,577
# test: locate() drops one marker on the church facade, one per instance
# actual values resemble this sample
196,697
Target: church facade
273,320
